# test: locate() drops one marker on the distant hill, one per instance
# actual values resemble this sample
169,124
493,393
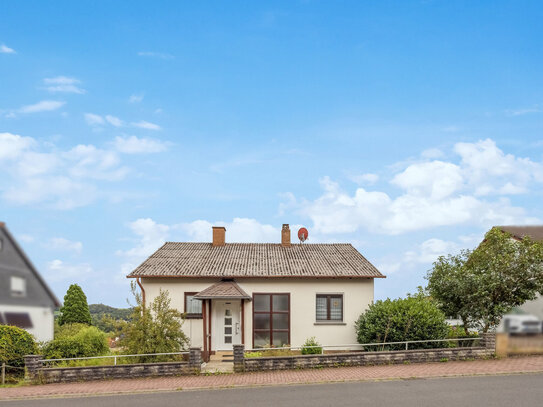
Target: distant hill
99,310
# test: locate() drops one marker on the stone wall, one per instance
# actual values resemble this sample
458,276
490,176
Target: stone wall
242,364
35,372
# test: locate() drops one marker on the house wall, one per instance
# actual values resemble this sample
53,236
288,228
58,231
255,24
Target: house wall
42,320
357,296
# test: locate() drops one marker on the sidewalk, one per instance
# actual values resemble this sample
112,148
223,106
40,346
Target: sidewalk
526,364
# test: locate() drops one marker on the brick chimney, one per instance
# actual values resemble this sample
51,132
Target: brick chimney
218,236
285,235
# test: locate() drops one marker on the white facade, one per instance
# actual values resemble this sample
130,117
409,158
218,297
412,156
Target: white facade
356,293
41,318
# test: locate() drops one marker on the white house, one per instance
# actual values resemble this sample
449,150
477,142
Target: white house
261,294
25,299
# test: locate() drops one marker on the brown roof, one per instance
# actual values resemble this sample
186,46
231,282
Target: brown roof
256,260
223,289
534,232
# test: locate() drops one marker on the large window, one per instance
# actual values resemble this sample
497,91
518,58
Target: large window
271,320
193,306
20,319
329,308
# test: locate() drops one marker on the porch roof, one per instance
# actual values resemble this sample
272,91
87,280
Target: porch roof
227,290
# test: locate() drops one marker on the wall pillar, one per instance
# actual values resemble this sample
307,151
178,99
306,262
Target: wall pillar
32,365
488,340
195,359
239,358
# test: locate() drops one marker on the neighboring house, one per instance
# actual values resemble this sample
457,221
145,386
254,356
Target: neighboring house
261,294
534,307
25,299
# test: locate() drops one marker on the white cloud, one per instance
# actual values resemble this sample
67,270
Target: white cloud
4,49
432,153
151,236
490,171
436,179
94,119
57,270
59,192
365,179
136,98
63,84
12,145
433,193
92,162
25,238
135,145
35,173
43,106
142,124
60,243
114,121
429,250
159,55
524,111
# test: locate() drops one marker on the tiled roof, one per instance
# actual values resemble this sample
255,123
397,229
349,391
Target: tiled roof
534,232
223,289
256,260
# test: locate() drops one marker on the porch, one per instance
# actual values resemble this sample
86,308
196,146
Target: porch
223,316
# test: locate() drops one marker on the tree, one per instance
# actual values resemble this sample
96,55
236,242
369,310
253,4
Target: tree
405,319
482,285
75,308
153,329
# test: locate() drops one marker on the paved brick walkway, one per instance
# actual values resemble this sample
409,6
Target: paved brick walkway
424,370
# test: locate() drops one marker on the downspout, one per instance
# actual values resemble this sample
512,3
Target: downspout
142,292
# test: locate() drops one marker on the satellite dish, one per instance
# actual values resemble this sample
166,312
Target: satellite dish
302,234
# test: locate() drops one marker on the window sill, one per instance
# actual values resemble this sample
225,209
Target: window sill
194,316
329,323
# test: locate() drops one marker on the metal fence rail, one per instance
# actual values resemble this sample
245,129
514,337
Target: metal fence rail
347,347
114,357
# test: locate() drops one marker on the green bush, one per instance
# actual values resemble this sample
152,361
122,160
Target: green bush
15,343
76,340
414,318
459,332
311,347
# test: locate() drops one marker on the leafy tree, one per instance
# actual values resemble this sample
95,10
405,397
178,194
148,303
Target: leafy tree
482,285
154,329
414,318
15,343
75,308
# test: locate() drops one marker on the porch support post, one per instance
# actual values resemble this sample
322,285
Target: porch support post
209,328
204,323
243,321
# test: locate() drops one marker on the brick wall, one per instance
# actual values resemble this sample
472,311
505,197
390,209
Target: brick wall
356,358
35,372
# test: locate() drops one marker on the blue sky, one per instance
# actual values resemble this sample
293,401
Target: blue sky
405,127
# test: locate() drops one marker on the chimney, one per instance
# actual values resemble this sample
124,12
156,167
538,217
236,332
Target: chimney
218,236
285,235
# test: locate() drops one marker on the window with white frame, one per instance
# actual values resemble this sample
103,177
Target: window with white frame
329,308
18,286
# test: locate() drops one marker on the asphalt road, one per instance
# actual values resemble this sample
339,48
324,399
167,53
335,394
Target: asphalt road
517,390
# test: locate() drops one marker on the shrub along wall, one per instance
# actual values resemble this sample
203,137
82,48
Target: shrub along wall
35,372
361,358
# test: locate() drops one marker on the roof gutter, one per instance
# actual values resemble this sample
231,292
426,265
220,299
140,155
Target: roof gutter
142,292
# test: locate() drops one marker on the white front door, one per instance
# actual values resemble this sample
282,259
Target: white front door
227,324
